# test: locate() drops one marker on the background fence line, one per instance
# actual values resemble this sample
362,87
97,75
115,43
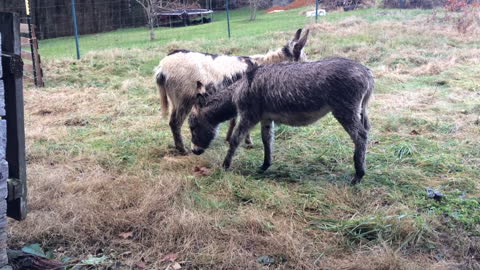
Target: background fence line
54,18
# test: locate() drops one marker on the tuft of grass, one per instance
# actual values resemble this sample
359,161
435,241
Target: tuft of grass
400,231
404,150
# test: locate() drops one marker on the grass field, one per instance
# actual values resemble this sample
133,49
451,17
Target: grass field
103,179
249,32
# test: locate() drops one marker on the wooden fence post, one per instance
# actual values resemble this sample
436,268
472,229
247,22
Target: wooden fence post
13,83
32,71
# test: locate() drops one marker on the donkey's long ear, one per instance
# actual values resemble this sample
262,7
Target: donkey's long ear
297,49
201,100
301,43
297,35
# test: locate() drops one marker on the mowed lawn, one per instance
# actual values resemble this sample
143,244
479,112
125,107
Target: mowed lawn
104,179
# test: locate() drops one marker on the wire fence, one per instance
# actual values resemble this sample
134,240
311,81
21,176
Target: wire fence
55,18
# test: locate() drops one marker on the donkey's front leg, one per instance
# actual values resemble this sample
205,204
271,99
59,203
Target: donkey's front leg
240,132
231,127
177,118
268,135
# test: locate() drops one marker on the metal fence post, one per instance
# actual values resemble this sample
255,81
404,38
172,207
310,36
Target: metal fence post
228,19
75,27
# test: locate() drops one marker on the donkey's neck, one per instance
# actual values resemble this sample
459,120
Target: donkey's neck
220,107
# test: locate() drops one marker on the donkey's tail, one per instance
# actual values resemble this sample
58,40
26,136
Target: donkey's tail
160,82
366,98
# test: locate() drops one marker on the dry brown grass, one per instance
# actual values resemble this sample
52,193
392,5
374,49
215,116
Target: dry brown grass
87,185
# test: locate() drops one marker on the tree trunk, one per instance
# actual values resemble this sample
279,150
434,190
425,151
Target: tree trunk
253,9
152,32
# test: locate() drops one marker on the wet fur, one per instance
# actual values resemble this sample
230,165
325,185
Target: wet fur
295,94
178,73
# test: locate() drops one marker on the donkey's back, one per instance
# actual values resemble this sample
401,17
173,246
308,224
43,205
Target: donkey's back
299,86
300,93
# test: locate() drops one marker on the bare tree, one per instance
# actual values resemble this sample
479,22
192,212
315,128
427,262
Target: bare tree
253,9
149,6
256,5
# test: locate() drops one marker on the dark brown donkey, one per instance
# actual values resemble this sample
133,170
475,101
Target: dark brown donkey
295,94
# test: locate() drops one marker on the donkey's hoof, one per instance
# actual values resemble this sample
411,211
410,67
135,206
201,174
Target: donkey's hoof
355,180
176,151
182,152
226,165
248,145
248,142
264,167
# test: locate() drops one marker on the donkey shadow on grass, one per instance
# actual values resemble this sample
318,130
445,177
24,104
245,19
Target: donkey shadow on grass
288,169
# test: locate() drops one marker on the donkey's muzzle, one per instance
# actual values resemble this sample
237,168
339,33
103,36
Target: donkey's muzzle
197,150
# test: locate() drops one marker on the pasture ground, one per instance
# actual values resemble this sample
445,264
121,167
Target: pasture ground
103,179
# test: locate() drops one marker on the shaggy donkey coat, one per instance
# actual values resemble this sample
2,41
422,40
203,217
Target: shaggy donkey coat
295,94
178,73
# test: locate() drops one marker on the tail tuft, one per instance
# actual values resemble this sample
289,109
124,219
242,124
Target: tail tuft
366,98
160,82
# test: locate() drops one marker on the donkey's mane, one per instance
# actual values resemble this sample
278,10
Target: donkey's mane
188,51
217,94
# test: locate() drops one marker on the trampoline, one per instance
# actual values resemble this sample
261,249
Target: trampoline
185,17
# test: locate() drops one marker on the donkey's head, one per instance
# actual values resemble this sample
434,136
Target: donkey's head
294,48
291,52
203,132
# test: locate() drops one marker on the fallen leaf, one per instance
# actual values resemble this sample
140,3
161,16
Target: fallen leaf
94,260
270,260
34,249
140,265
414,132
126,235
65,260
202,171
176,266
171,257
266,260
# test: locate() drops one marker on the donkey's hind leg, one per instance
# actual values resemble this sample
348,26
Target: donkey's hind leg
177,117
248,141
267,139
231,127
352,123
